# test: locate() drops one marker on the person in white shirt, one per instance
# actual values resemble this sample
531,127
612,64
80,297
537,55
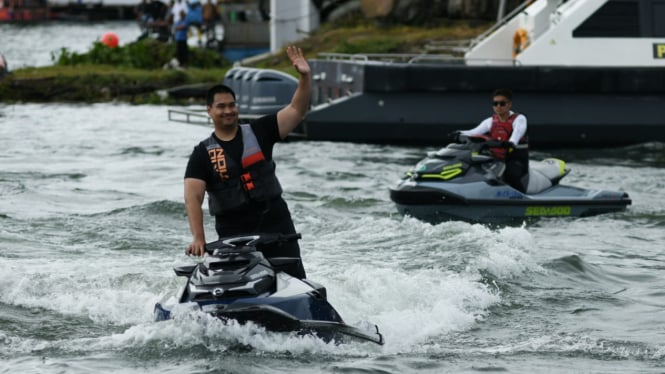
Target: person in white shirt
510,128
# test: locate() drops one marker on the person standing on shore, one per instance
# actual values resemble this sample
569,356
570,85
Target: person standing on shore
236,169
210,16
511,128
181,48
177,6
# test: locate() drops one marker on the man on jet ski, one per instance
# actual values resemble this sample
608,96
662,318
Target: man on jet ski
509,128
235,167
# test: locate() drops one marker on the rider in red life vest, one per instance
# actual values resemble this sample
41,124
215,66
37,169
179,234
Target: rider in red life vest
509,127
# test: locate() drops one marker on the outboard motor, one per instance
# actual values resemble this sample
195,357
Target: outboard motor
261,91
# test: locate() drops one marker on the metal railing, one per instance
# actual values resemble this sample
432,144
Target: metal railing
192,116
499,23
199,116
409,58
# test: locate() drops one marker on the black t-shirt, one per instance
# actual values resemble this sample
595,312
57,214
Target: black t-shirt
267,134
268,216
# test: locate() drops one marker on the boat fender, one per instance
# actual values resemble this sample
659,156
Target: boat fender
520,41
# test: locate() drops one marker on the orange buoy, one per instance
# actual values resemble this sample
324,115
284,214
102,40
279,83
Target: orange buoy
110,39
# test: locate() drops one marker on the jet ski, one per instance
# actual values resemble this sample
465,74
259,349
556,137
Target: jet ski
462,181
236,281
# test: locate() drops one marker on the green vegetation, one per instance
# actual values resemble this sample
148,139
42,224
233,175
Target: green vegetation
98,83
135,73
144,54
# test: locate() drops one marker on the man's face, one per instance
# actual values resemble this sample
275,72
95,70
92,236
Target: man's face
501,105
224,111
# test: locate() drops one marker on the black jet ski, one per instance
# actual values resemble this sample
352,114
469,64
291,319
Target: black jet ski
462,181
236,281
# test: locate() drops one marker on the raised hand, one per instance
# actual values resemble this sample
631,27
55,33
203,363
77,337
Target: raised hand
298,60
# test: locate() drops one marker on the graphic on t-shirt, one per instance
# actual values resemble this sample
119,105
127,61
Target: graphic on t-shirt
218,160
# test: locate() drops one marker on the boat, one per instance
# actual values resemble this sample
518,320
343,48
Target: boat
462,181
237,282
24,11
586,73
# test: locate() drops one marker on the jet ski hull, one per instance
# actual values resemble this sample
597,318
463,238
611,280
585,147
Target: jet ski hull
237,282
482,202
311,317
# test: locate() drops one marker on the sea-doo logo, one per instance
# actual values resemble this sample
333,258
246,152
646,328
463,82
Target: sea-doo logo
547,211
659,50
218,292
508,194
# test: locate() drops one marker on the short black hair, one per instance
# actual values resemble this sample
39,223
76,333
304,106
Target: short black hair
505,92
218,88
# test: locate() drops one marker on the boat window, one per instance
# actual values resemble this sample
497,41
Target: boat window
617,18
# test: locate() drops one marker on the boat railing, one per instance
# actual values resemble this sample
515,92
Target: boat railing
436,58
492,62
499,23
190,115
454,47
409,58
387,57
421,58
199,116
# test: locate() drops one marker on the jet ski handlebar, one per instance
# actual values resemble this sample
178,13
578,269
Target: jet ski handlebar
483,141
248,243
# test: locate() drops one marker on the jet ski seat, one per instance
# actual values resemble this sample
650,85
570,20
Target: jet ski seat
545,174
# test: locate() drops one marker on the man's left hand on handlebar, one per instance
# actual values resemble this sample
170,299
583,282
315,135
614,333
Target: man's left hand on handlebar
509,146
196,248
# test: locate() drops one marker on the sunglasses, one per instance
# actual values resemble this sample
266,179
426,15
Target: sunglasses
499,103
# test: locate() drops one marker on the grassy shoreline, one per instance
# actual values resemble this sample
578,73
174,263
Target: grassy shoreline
134,73
99,83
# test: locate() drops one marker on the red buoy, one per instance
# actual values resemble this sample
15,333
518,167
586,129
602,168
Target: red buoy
110,39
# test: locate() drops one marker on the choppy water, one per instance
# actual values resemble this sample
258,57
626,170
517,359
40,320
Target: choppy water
92,222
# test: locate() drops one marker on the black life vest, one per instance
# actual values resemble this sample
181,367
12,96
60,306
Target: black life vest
502,131
256,181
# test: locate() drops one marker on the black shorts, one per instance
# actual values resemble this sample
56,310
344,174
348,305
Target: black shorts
265,217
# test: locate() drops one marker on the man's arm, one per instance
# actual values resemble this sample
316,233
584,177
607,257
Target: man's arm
519,129
290,116
194,194
482,128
